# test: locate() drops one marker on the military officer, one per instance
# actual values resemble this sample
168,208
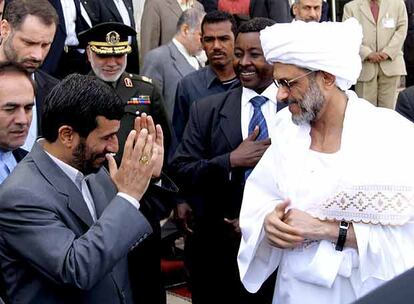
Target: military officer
107,47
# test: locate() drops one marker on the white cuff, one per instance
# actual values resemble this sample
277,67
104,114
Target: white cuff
134,202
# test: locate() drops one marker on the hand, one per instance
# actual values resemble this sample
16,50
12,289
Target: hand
183,216
383,56
374,57
250,151
309,227
137,164
234,223
278,233
146,122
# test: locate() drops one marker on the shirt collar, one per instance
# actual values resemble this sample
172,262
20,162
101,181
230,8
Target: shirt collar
74,174
270,92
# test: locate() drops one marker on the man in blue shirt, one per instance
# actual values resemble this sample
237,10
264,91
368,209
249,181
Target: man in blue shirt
16,103
218,30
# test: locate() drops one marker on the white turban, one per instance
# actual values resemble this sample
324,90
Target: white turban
332,47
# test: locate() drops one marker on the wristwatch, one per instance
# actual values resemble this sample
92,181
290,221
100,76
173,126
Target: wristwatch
343,229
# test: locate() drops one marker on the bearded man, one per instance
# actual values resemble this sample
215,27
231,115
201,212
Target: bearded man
322,205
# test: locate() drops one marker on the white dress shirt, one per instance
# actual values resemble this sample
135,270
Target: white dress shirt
7,164
190,59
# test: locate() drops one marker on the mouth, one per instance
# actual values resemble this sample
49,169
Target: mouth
19,133
247,74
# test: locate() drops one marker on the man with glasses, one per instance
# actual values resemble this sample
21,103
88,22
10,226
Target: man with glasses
322,205
225,137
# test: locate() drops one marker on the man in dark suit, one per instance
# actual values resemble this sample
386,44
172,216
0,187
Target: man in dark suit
65,55
67,225
107,46
33,21
101,11
223,140
405,103
169,63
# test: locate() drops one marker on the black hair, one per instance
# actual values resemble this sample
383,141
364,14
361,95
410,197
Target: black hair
77,101
217,17
255,25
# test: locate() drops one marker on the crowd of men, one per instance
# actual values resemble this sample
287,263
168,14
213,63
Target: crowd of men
238,117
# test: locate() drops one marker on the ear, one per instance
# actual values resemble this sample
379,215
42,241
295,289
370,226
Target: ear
328,79
295,9
5,28
89,53
68,137
185,29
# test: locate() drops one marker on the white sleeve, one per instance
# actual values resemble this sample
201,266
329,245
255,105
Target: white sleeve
384,252
257,259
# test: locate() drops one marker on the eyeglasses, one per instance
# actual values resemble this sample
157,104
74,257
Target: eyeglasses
287,83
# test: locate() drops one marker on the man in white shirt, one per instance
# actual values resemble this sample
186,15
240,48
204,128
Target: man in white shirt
225,137
167,64
67,225
321,204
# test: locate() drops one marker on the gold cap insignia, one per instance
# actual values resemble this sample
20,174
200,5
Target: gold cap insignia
113,38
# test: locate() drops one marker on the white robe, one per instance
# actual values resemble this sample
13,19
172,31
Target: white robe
375,162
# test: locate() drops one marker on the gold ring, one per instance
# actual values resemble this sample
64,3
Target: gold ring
144,160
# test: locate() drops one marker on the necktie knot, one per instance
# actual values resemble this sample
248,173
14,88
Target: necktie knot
258,101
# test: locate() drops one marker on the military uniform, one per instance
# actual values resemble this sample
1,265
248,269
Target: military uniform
140,96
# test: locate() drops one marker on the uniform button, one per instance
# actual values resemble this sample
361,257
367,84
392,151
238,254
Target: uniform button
137,113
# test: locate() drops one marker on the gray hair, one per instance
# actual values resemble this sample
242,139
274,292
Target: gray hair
192,17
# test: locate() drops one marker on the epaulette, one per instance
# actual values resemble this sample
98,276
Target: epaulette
142,78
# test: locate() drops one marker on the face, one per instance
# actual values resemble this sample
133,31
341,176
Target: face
308,10
193,40
28,45
89,154
305,98
250,64
16,103
218,43
107,68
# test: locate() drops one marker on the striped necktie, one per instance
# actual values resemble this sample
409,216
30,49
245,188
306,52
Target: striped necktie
257,120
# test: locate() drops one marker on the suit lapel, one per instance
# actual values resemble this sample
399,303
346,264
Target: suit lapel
110,4
383,10
366,10
102,192
62,183
179,62
230,118
174,7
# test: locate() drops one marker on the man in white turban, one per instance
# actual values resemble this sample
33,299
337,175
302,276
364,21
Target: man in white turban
321,204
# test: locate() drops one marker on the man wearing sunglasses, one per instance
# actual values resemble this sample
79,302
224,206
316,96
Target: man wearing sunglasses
322,204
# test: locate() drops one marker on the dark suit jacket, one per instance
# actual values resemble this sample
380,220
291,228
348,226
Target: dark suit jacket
215,191
51,63
50,249
202,160
278,10
44,84
106,11
397,291
405,103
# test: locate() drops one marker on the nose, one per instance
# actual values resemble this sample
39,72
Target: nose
113,146
244,60
282,94
36,53
23,117
313,14
112,61
217,44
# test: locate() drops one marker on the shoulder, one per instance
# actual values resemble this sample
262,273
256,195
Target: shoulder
194,77
153,55
45,77
140,80
218,100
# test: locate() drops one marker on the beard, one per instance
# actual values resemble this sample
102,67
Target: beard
83,162
310,106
